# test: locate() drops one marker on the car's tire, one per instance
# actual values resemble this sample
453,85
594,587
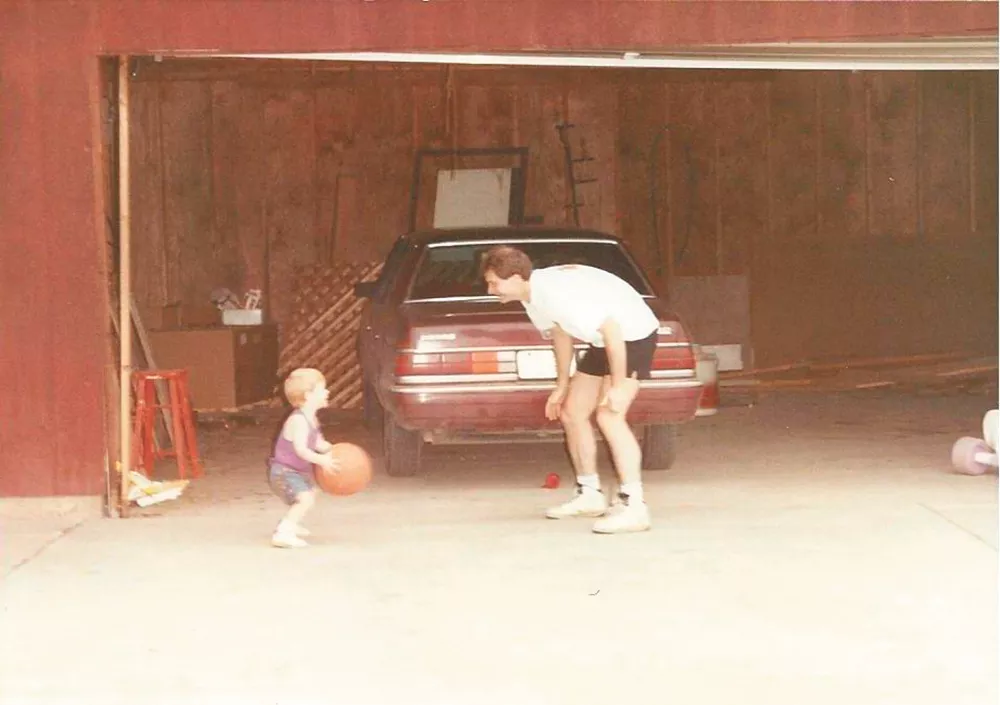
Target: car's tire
401,449
659,447
370,407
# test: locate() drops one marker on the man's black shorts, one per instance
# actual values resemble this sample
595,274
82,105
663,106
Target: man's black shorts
638,358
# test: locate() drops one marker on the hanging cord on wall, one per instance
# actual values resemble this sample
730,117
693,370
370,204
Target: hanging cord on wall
451,107
692,182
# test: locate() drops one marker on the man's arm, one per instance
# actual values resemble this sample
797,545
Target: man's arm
562,342
614,345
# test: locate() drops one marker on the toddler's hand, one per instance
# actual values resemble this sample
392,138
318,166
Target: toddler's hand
330,463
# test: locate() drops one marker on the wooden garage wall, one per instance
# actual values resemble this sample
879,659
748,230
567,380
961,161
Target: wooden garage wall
238,166
882,234
863,206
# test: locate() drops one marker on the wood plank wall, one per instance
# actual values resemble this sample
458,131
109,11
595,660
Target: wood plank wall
823,187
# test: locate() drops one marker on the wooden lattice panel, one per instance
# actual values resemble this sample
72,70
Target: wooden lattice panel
324,326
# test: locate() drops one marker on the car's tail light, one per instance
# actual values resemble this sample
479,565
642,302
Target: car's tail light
707,372
673,350
673,358
409,363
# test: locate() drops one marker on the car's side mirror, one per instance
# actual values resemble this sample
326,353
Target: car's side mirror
364,290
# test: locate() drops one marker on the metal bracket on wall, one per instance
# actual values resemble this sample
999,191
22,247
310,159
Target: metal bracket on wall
574,202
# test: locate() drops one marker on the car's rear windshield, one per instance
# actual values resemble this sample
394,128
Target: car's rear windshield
451,270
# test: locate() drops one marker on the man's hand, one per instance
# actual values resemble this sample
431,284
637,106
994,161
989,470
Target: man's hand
616,398
553,407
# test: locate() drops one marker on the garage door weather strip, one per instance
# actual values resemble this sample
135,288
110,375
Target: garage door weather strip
958,54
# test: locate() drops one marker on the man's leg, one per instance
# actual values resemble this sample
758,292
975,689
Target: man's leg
631,514
581,400
621,440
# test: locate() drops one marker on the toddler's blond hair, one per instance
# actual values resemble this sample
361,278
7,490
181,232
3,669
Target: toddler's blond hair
300,382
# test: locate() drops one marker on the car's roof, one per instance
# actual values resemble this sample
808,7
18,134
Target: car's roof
514,232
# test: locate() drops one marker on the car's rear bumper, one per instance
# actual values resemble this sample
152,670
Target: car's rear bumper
517,407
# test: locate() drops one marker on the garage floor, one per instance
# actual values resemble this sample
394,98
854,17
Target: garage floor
808,549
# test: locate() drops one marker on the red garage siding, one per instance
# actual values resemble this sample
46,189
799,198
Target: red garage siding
51,295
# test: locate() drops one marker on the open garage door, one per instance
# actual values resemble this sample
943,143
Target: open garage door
958,54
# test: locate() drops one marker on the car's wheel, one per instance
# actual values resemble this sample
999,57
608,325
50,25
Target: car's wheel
659,447
371,409
401,449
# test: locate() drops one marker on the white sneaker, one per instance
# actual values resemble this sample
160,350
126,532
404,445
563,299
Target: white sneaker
586,503
302,532
287,539
624,516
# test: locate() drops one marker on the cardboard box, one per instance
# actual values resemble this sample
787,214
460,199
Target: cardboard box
177,316
228,367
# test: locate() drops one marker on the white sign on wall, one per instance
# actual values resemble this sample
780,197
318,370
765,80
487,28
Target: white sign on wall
471,197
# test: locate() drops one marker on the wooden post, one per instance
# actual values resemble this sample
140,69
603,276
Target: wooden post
868,157
717,163
972,156
668,194
818,162
769,165
124,284
266,274
918,120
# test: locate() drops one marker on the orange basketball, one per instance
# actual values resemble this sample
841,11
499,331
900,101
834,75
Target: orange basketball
354,474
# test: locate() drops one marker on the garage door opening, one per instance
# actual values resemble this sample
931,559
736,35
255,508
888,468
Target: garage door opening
766,189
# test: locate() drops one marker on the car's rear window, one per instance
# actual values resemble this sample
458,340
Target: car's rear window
451,270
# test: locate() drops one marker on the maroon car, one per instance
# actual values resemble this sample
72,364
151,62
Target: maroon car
443,361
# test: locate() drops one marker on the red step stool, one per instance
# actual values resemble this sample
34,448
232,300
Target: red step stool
185,448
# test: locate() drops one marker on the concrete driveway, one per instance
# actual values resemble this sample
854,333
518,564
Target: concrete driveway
809,549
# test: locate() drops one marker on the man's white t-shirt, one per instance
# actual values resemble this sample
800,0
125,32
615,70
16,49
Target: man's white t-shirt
580,299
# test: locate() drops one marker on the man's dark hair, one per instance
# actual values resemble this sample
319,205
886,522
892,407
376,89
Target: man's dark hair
505,261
